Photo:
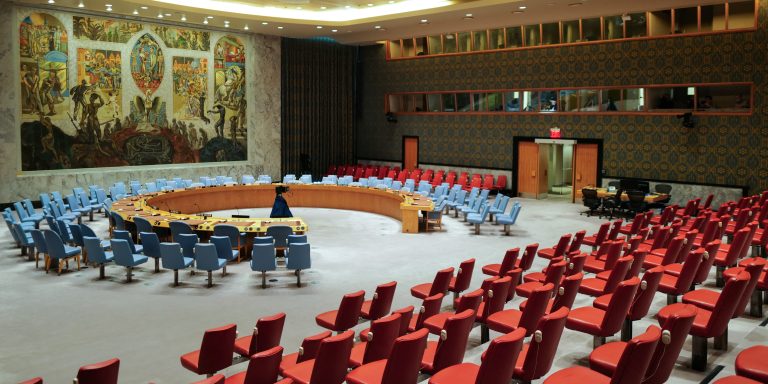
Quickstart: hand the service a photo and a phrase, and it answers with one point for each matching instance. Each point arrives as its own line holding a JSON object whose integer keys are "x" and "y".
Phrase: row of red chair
{"x": 104, "y": 372}
{"x": 435, "y": 178}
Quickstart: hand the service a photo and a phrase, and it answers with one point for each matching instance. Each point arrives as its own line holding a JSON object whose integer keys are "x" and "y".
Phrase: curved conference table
{"x": 187, "y": 205}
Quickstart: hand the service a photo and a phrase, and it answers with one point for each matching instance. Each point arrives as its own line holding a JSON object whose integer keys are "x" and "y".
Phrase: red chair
{"x": 537, "y": 356}
{"x": 576, "y": 242}
{"x": 515, "y": 275}
{"x": 666, "y": 216}
{"x": 605, "y": 258}
{"x": 215, "y": 351}
{"x": 575, "y": 265}
{"x": 381, "y": 303}
{"x": 526, "y": 260}
{"x": 705, "y": 298}
{"x": 266, "y": 335}
{"x": 510, "y": 319}
{"x": 308, "y": 351}
{"x": 507, "y": 263}
{"x": 690, "y": 208}
{"x": 471, "y": 300}
{"x": 735, "y": 379}
{"x": 565, "y": 295}
{"x": 750, "y": 363}
{"x": 429, "y": 307}
{"x": 711, "y": 323}
{"x": 597, "y": 238}
{"x": 598, "y": 287}
{"x": 104, "y": 372}
{"x": 488, "y": 182}
{"x": 760, "y": 240}
{"x": 635, "y": 358}
{"x": 475, "y": 183}
{"x": 501, "y": 183}
{"x": 346, "y": 316}
{"x": 330, "y": 365}
{"x": 558, "y": 250}
{"x": 711, "y": 229}
{"x": 656, "y": 239}
{"x": 494, "y": 298}
{"x": 358, "y": 173}
{"x": 35, "y": 380}
{"x": 729, "y": 253}
{"x": 674, "y": 331}
{"x": 638, "y": 257}
{"x": 378, "y": 341}
{"x": 439, "y": 284}
{"x": 604, "y": 323}
{"x": 402, "y": 366}
{"x": 406, "y": 315}
{"x": 741, "y": 220}
{"x": 497, "y": 367}
{"x": 706, "y": 264}
{"x": 637, "y": 223}
{"x": 450, "y": 179}
{"x": 707, "y": 203}
{"x": 217, "y": 379}
{"x": 676, "y": 285}
{"x": 449, "y": 350}
{"x": 641, "y": 303}
{"x": 463, "y": 278}
{"x": 554, "y": 274}
{"x": 383, "y": 172}
{"x": 263, "y": 368}
{"x": 665, "y": 256}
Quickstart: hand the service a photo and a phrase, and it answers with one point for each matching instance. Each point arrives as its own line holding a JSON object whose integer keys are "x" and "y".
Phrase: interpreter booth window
{"x": 408, "y": 103}
{"x": 465, "y": 42}
{"x": 571, "y": 32}
{"x": 532, "y": 35}
{"x": 449, "y": 102}
{"x": 512, "y": 101}
{"x": 463, "y": 102}
{"x": 613, "y": 27}
{"x": 637, "y": 25}
{"x": 588, "y": 100}
{"x": 421, "y": 46}
{"x": 661, "y": 22}
{"x": 741, "y": 14}
{"x": 419, "y": 102}
{"x": 723, "y": 98}
{"x": 496, "y": 40}
{"x": 409, "y": 48}
{"x": 530, "y": 101}
{"x": 395, "y": 50}
{"x": 435, "y": 45}
{"x": 590, "y": 29}
{"x": 548, "y": 101}
{"x": 686, "y": 20}
{"x": 395, "y": 103}
{"x": 481, "y": 40}
{"x": 514, "y": 37}
{"x": 550, "y": 33}
{"x": 449, "y": 43}
{"x": 670, "y": 98}
{"x": 713, "y": 17}
{"x": 433, "y": 102}
{"x": 622, "y": 100}
{"x": 568, "y": 101}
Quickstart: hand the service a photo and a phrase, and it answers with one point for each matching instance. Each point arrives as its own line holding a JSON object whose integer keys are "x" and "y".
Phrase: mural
{"x": 99, "y": 72}
{"x": 89, "y": 28}
{"x": 229, "y": 99}
{"x": 43, "y": 51}
{"x": 95, "y": 121}
{"x": 184, "y": 38}
{"x": 147, "y": 63}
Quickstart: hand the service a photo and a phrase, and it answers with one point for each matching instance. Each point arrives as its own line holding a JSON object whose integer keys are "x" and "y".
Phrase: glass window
{"x": 465, "y": 41}
{"x": 548, "y": 101}
{"x": 713, "y": 17}
{"x": 495, "y": 103}
{"x": 394, "y": 49}
{"x": 464, "y": 102}
{"x": 661, "y": 23}
{"x": 637, "y": 25}
{"x": 590, "y": 29}
{"x": 449, "y": 102}
{"x": 568, "y": 101}
{"x": 512, "y": 101}
{"x": 588, "y": 101}
{"x": 421, "y": 46}
{"x": 530, "y": 101}
{"x": 611, "y": 99}
{"x": 479, "y": 102}
{"x": 613, "y": 27}
{"x": 408, "y": 48}
{"x": 723, "y": 98}
{"x": 419, "y": 102}
{"x": 433, "y": 102}
{"x": 741, "y": 14}
{"x": 395, "y": 103}
{"x": 670, "y": 98}
{"x": 435, "y": 45}
{"x": 449, "y": 43}
{"x": 571, "y": 32}
{"x": 481, "y": 40}
{"x": 633, "y": 99}
{"x": 514, "y": 37}
{"x": 686, "y": 20}
{"x": 497, "y": 39}
{"x": 408, "y": 103}
{"x": 550, "y": 33}
{"x": 532, "y": 37}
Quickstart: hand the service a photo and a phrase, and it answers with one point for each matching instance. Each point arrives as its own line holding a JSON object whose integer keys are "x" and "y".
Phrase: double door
{"x": 556, "y": 168}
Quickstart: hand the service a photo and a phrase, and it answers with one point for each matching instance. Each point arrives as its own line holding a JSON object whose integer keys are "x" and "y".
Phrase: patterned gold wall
{"x": 720, "y": 150}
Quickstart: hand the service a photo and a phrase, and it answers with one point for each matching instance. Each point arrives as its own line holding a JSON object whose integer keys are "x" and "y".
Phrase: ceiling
{"x": 361, "y": 22}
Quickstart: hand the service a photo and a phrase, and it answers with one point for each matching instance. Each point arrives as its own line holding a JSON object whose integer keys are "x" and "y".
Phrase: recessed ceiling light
{"x": 246, "y": 27}
{"x": 168, "y": 14}
{"x": 319, "y": 27}
{"x": 423, "y": 21}
{"x": 391, "y": 1}
{"x": 378, "y": 27}
{"x": 109, "y": 7}
{"x": 522, "y": 7}
{"x": 298, "y": 7}
{"x": 81, "y": 4}
{"x": 209, "y": 17}
{"x": 183, "y": 17}
{"x": 334, "y": 30}
{"x": 264, "y": 23}
{"x": 144, "y": 7}
{"x": 348, "y": 7}
{"x": 323, "y": 7}
{"x": 517, "y": 12}
{"x": 159, "y": 15}
{"x": 51, "y": 1}
{"x": 468, "y": 16}
{"x": 205, "y": 21}
{"x": 370, "y": 5}
{"x": 280, "y": 27}
{"x": 135, "y": 11}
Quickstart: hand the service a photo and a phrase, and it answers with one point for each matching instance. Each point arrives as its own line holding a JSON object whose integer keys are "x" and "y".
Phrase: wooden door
{"x": 584, "y": 167}
{"x": 528, "y": 169}
{"x": 410, "y": 152}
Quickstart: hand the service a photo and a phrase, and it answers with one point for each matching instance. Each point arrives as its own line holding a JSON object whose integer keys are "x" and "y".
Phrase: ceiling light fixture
{"x": 51, "y": 1}
{"x": 280, "y": 27}
{"x": 135, "y": 11}
{"x": 205, "y": 21}
{"x": 246, "y": 27}
{"x": 81, "y": 4}
{"x": 168, "y": 14}
{"x": 377, "y": 27}
{"x": 522, "y": 7}
{"x": 334, "y": 30}
{"x": 423, "y": 21}
{"x": 109, "y": 7}
{"x": 323, "y": 7}
{"x": 468, "y": 16}
{"x": 319, "y": 27}
{"x": 264, "y": 23}
{"x": 144, "y": 7}
{"x": 183, "y": 17}
{"x": 159, "y": 15}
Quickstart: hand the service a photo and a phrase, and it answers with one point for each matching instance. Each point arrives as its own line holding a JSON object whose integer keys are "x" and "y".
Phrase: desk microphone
{"x": 198, "y": 208}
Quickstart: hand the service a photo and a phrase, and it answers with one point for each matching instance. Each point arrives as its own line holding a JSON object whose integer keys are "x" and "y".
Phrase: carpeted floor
{"x": 50, "y": 325}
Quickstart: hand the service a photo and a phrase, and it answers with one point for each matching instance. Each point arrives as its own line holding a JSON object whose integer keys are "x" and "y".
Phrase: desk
{"x": 163, "y": 207}
{"x": 649, "y": 198}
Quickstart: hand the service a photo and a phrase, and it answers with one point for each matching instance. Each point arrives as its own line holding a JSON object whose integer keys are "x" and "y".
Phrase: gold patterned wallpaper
{"x": 719, "y": 150}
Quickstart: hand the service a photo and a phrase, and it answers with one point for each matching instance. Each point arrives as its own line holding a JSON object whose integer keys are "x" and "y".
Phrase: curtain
{"x": 318, "y": 105}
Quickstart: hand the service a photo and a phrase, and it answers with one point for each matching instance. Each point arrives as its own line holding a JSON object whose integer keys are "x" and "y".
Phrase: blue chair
{"x": 179, "y": 227}
{"x": 58, "y": 198}
{"x": 188, "y": 242}
{"x": 151, "y": 243}
{"x": 64, "y": 231}
{"x": 247, "y": 179}
{"x": 45, "y": 199}
{"x": 125, "y": 235}
{"x": 297, "y": 239}
{"x": 501, "y": 207}
{"x": 86, "y": 231}
{"x": 265, "y": 179}
{"x": 97, "y": 254}
{"x": 94, "y": 197}
{"x": 237, "y": 239}
{"x": 125, "y": 257}
{"x": 264, "y": 240}
{"x": 26, "y": 240}
{"x": 151, "y": 187}
{"x": 305, "y": 179}
{"x": 280, "y": 233}
{"x": 263, "y": 259}
{"x": 107, "y": 205}
{"x": 57, "y": 211}
{"x": 289, "y": 178}
{"x": 477, "y": 204}
{"x": 39, "y": 239}
{"x": 479, "y": 218}
{"x": 435, "y": 216}
{"x": 172, "y": 257}
{"x": 31, "y": 210}
{"x": 58, "y": 251}
{"x": 77, "y": 239}
{"x": 23, "y": 215}
{"x": 116, "y": 221}
{"x": 298, "y": 259}
{"x": 86, "y": 203}
{"x": 142, "y": 225}
{"x": 207, "y": 259}
{"x": 74, "y": 206}
{"x": 224, "y": 249}
{"x": 509, "y": 219}
{"x": 457, "y": 202}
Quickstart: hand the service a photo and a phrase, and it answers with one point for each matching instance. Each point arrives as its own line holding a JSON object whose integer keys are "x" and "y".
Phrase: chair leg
{"x": 699, "y": 354}
{"x": 129, "y": 273}
{"x": 671, "y": 299}
{"x": 175, "y": 277}
{"x": 485, "y": 333}
{"x": 298, "y": 277}
{"x": 477, "y": 229}
{"x": 506, "y": 229}
{"x": 37, "y": 260}
{"x": 101, "y": 271}
{"x": 597, "y": 341}
{"x": 719, "y": 281}
{"x": 157, "y": 264}
{"x": 263, "y": 279}
{"x": 210, "y": 279}
{"x": 721, "y": 342}
{"x": 626, "y": 330}
{"x": 224, "y": 270}
{"x": 756, "y": 304}
{"x": 77, "y": 259}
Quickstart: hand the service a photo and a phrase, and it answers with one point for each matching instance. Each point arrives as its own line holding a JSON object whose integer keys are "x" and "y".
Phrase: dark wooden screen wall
{"x": 318, "y": 105}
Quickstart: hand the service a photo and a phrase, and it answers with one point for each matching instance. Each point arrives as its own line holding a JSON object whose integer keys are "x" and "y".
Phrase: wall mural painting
{"x": 82, "y": 124}
{"x": 180, "y": 38}
{"x": 89, "y": 28}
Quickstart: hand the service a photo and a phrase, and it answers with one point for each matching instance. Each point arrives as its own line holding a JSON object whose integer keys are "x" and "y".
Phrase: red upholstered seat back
{"x": 104, "y": 372}
{"x": 405, "y": 360}
{"x": 543, "y": 346}
{"x": 331, "y": 362}
{"x": 499, "y": 362}
{"x": 636, "y": 357}
{"x": 267, "y": 334}
{"x": 217, "y": 348}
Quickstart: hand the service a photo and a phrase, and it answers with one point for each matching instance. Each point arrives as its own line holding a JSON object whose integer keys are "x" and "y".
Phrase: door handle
{"x": 533, "y": 173}
{"x": 578, "y": 176}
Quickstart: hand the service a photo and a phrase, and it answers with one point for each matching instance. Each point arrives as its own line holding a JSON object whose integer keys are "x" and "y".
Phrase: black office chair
{"x": 663, "y": 189}
{"x": 591, "y": 201}
{"x": 612, "y": 205}
{"x": 636, "y": 203}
